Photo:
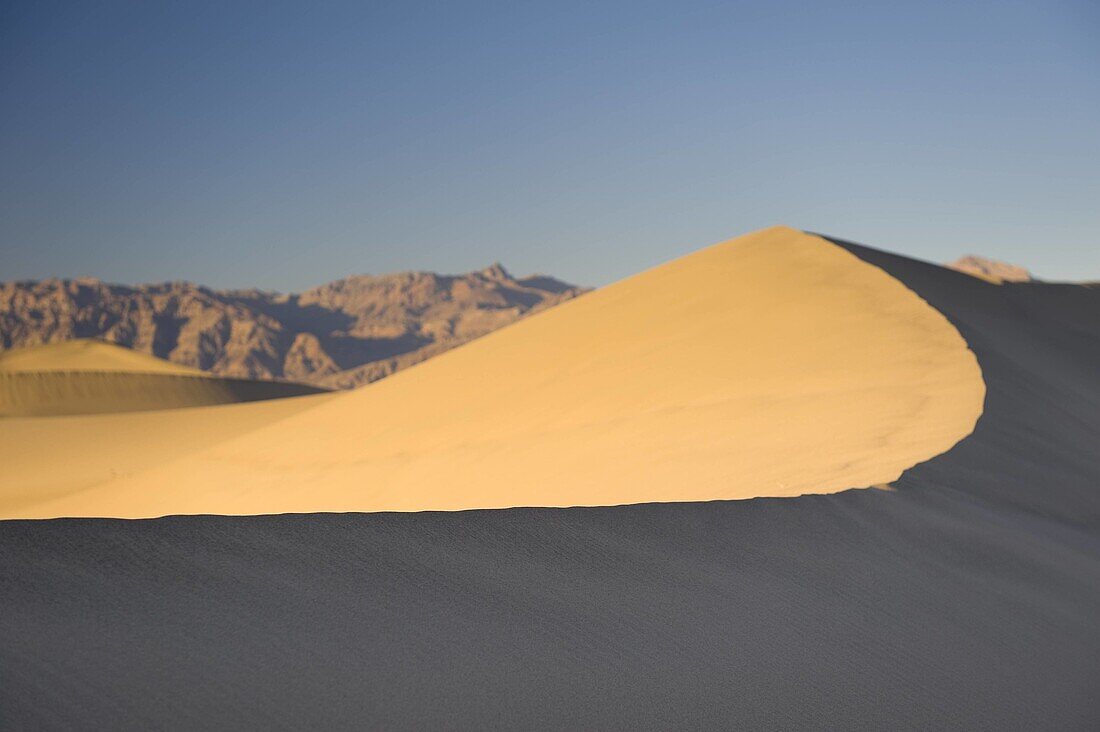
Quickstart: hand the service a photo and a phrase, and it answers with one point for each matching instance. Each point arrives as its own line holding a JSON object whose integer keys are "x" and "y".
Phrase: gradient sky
{"x": 282, "y": 145}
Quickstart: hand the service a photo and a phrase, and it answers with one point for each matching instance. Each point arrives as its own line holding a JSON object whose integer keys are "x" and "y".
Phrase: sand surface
{"x": 775, "y": 364}
{"x": 92, "y": 377}
{"x": 74, "y": 453}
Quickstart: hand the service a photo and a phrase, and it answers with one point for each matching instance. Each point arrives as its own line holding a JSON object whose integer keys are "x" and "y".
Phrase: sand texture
{"x": 77, "y": 452}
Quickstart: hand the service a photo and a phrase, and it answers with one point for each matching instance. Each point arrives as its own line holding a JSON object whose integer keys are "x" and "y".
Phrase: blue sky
{"x": 281, "y": 145}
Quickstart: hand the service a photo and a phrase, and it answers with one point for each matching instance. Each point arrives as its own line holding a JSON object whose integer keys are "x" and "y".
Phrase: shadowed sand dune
{"x": 775, "y": 364}
{"x": 92, "y": 377}
{"x": 966, "y": 598}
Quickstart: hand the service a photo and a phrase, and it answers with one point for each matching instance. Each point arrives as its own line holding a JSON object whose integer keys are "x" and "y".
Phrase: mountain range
{"x": 342, "y": 334}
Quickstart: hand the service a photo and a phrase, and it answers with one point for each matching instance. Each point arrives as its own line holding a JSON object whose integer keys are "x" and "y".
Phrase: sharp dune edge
{"x": 776, "y": 364}
{"x": 91, "y": 377}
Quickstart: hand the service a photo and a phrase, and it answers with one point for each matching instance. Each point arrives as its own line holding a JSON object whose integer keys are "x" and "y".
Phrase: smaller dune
{"x": 93, "y": 377}
{"x": 86, "y": 355}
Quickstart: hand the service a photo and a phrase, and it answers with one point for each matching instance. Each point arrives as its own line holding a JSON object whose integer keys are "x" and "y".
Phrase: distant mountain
{"x": 990, "y": 269}
{"x": 342, "y": 334}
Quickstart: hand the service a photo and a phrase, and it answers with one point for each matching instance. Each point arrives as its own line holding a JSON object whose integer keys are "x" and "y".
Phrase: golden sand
{"x": 775, "y": 364}
{"x": 52, "y": 457}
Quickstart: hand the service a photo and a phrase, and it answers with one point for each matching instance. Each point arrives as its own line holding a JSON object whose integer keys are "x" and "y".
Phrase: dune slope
{"x": 92, "y": 377}
{"x": 776, "y": 364}
{"x": 46, "y": 458}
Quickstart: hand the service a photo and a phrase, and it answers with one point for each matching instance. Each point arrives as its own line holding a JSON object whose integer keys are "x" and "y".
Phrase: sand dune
{"x": 967, "y": 597}
{"x": 86, "y": 355}
{"x": 92, "y": 377}
{"x": 776, "y": 364}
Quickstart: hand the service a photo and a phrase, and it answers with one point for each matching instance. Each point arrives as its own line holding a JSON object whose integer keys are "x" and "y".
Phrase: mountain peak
{"x": 992, "y": 270}
{"x": 495, "y": 271}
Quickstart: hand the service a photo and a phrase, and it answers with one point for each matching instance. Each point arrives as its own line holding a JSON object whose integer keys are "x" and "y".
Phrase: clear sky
{"x": 282, "y": 145}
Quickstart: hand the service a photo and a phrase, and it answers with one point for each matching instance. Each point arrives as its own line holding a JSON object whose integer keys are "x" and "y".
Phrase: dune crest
{"x": 775, "y": 364}
{"x": 85, "y": 354}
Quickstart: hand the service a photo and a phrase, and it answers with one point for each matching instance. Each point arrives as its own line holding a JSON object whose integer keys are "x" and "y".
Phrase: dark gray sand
{"x": 967, "y": 598}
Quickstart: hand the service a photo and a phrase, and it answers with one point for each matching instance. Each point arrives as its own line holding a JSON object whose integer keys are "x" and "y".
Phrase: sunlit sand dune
{"x": 92, "y": 377}
{"x": 776, "y": 364}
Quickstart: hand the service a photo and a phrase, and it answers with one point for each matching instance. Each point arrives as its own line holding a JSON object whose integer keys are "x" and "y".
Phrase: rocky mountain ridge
{"x": 342, "y": 334}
